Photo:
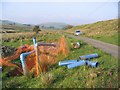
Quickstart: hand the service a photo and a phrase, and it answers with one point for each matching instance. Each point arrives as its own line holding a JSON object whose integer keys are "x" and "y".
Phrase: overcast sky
{"x": 74, "y": 13}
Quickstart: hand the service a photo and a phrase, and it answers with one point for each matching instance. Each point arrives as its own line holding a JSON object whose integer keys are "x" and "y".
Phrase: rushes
{"x": 47, "y": 79}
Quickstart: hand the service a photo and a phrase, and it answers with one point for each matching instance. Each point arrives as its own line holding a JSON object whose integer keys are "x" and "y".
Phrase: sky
{"x": 75, "y": 13}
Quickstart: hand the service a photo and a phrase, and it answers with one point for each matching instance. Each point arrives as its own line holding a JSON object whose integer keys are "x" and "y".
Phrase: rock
{"x": 76, "y": 45}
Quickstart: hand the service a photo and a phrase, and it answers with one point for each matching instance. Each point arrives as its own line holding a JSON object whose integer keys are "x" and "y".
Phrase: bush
{"x": 36, "y": 29}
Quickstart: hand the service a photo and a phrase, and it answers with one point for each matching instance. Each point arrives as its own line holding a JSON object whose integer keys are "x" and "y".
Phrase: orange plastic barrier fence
{"x": 47, "y": 56}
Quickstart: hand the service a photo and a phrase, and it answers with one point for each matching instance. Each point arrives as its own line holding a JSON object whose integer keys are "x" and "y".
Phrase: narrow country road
{"x": 106, "y": 47}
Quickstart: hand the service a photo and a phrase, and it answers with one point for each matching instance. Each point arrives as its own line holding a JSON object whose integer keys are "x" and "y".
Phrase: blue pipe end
{"x": 92, "y": 64}
{"x": 63, "y": 63}
{"x": 34, "y": 41}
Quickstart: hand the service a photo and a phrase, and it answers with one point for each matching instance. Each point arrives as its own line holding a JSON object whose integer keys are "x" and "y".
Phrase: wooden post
{"x": 37, "y": 62}
{"x": 37, "y": 56}
{"x": 37, "y": 59}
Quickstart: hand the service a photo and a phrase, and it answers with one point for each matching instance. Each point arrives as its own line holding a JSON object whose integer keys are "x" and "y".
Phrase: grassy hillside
{"x": 105, "y": 75}
{"x": 15, "y": 26}
{"x": 6, "y": 22}
{"x": 10, "y": 25}
{"x": 106, "y": 31}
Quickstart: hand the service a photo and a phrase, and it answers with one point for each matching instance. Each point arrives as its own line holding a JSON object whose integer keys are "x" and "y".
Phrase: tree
{"x": 36, "y": 29}
{"x": 68, "y": 27}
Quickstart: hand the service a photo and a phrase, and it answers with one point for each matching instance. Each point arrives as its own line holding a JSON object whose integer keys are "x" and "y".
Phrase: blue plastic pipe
{"x": 92, "y": 64}
{"x": 78, "y": 43}
{"x": 34, "y": 42}
{"x": 79, "y": 63}
{"x": 22, "y": 59}
{"x": 0, "y": 69}
{"x": 89, "y": 56}
{"x": 35, "y": 45}
{"x": 63, "y": 63}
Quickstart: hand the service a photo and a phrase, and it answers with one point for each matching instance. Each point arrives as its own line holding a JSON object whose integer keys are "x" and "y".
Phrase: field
{"x": 104, "y": 76}
{"x": 106, "y": 31}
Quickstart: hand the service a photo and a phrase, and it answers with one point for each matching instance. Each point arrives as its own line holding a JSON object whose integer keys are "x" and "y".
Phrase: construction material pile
{"x": 7, "y": 51}
{"x": 6, "y": 61}
{"x": 83, "y": 60}
{"x": 47, "y": 56}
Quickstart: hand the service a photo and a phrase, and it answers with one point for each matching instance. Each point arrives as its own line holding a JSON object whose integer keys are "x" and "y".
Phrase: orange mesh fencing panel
{"x": 47, "y": 56}
{"x": 63, "y": 46}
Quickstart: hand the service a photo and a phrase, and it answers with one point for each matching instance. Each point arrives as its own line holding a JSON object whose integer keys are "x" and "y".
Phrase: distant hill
{"x": 11, "y": 25}
{"x": 7, "y": 22}
{"x": 54, "y": 25}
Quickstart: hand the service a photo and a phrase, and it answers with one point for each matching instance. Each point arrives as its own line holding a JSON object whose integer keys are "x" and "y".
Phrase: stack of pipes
{"x": 83, "y": 60}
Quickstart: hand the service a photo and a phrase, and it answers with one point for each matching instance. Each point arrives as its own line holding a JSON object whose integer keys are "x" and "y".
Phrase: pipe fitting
{"x": 22, "y": 59}
{"x": 92, "y": 64}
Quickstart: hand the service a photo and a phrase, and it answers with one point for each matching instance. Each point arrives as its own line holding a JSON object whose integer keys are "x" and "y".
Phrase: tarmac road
{"x": 106, "y": 47}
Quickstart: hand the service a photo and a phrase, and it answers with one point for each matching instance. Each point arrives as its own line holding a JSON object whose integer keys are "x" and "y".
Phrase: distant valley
{"x": 15, "y": 26}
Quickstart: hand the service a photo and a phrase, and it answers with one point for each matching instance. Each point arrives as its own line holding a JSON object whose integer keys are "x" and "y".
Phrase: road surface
{"x": 106, "y": 47}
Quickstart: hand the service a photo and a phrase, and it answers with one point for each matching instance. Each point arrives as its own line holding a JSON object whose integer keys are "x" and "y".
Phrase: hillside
{"x": 54, "y": 25}
{"x": 103, "y": 76}
{"x": 6, "y": 22}
{"x": 11, "y": 25}
{"x": 106, "y": 31}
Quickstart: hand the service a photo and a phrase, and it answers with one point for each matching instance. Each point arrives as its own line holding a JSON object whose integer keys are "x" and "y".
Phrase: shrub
{"x": 36, "y": 29}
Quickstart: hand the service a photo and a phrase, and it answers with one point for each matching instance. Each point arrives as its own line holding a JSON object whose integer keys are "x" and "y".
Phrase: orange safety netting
{"x": 47, "y": 56}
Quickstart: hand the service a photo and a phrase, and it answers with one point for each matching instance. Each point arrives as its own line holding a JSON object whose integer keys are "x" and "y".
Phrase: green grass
{"x": 62, "y": 77}
{"x": 17, "y": 43}
{"x": 113, "y": 39}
